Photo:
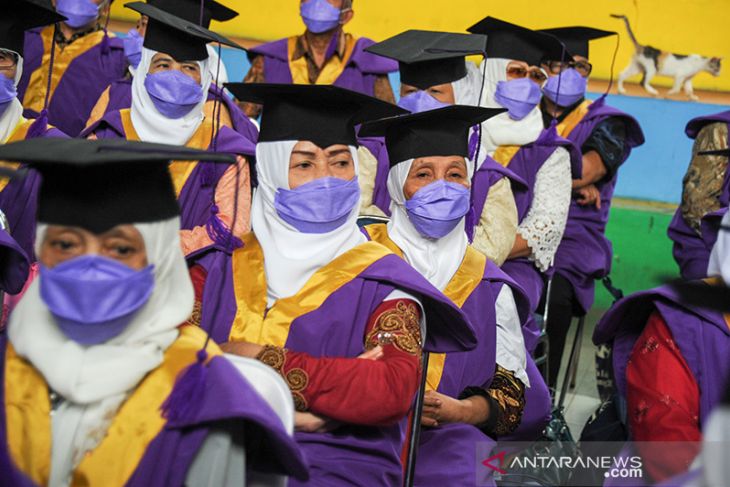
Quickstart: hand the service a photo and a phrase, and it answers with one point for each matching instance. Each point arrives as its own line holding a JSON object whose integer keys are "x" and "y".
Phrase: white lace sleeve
{"x": 544, "y": 224}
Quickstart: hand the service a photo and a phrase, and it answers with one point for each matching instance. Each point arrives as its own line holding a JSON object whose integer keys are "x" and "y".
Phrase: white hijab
{"x": 95, "y": 380}
{"x": 213, "y": 66}
{"x": 291, "y": 257}
{"x": 719, "y": 264}
{"x": 502, "y": 130}
{"x": 14, "y": 113}
{"x": 153, "y": 126}
{"x": 436, "y": 259}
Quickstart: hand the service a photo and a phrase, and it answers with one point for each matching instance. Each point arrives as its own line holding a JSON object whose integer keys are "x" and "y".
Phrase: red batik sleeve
{"x": 360, "y": 391}
{"x": 663, "y": 401}
{"x": 198, "y": 274}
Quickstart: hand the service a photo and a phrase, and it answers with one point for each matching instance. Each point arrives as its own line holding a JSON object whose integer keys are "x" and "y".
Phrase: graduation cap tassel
{"x": 415, "y": 430}
{"x": 105, "y": 41}
{"x": 613, "y": 65}
{"x": 474, "y": 154}
{"x": 190, "y": 384}
{"x": 40, "y": 126}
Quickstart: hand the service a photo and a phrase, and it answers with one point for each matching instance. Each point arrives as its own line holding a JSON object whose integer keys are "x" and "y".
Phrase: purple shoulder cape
{"x": 585, "y": 254}
{"x": 702, "y": 336}
{"x": 19, "y": 201}
{"x": 14, "y": 265}
{"x": 488, "y": 174}
{"x": 228, "y": 400}
{"x": 84, "y": 80}
{"x": 696, "y": 124}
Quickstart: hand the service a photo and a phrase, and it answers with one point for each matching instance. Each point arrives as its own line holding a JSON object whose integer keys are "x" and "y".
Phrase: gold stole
{"x": 504, "y": 154}
{"x": 463, "y": 283}
{"x": 21, "y": 130}
{"x": 180, "y": 171}
{"x": 36, "y": 93}
{"x": 135, "y": 425}
{"x": 565, "y": 127}
{"x": 254, "y": 324}
{"x": 332, "y": 69}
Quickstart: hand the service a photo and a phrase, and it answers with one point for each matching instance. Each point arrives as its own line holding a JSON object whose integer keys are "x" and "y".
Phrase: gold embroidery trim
{"x": 297, "y": 379}
{"x": 399, "y": 326}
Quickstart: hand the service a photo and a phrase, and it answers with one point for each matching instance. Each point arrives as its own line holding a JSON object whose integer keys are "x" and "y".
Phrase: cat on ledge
{"x": 654, "y": 62}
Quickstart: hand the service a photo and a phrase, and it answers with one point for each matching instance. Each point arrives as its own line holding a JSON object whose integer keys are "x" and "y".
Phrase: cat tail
{"x": 628, "y": 28}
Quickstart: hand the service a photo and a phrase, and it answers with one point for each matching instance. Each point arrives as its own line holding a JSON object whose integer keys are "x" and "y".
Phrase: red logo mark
{"x": 497, "y": 468}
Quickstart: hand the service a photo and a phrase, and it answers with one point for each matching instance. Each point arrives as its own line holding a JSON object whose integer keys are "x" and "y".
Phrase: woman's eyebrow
{"x": 337, "y": 152}
{"x": 303, "y": 153}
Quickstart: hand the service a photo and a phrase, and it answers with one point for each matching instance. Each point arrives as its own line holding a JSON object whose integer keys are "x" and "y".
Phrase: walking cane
{"x": 416, "y": 426}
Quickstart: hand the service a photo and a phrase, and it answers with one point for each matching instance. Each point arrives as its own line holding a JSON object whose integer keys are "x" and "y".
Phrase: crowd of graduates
{"x": 305, "y": 278}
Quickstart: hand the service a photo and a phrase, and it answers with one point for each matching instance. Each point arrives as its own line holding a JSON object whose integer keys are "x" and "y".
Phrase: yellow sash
{"x": 333, "y": 67}
{"x": 135, "y": 425}
{"x": 565, "y": 127}
{"x": 504, "y": 154}
{"x": 463, "y": 283}
{"x": 21, "y": 130}
{"x": 180, "y": 171}
{"x": 253, "y": 324}
{"x": 36, "y": 92}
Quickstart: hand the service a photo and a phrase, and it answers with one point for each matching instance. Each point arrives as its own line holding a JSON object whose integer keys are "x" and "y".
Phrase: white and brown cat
{"x": 652, "y": 62}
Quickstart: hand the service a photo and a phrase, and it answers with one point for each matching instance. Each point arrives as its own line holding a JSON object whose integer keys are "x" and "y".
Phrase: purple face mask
{"x": 420, "y": 101}
{"x": 173, "y": 93}
{"x": 519, "y": 96}
{"x": 8, "y": 92}
{"x": 319, "y": 16}
{"x": 133, "y": 47}
{"x": 77, "y": 12}
{"x": 572, "y": 88}
{"x": 93, "y": 298}
{"x": 436, "y": 209}
{"x": 319, "y": 206}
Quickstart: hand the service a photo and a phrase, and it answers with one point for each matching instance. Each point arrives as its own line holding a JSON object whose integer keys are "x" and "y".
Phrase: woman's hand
{"x": 311, "y": 423}
{"x": 242, "y": 349}
{"x": 441, "y": 409}
{"x": 589, "y": 195}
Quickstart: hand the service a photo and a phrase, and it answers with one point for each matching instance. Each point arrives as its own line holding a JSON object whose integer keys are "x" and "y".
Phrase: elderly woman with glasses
{"x": 605, "y": 137}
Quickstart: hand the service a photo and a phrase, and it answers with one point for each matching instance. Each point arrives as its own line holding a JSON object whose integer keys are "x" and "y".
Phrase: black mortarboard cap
{"x": 21, "y": 15}
{"x": 98, "y": 184}
{"x": 190, "y": 10}
{"x": 181, "y": 39}
{"x": 576, "y": 38}
{"x": 428, "y": 58}
{"x": 323, "y": 114}
{"x": 510, "y": 41}
{"x": 442, "y": 132}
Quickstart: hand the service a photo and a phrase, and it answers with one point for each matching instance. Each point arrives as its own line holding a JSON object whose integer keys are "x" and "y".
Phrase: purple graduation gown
{"x": 526, "y": 163}
{"x": 197, "y": 197}
{"x": 120, "y": 97}
{"x": 364, "y": 455}
{"x": 82, "y": 83}
{"x": 585, "y": 254}
{"x": 14, "y": 265}
{"x": 19, "y": 202}
{"x": 359, "y": 75}
{"x": 703, "y": 338}
{"x": 691, "y": 251}
{"x": 229, "y": 400}
{"x": 446, "y": 454}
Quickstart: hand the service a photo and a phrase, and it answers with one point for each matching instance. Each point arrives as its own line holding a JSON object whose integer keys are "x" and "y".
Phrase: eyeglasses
{"x": 534, "y": 73}
{"x": 583, "y": 67}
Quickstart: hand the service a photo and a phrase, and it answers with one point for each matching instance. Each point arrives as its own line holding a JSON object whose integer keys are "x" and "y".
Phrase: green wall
{"x": 642, "y": 252}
